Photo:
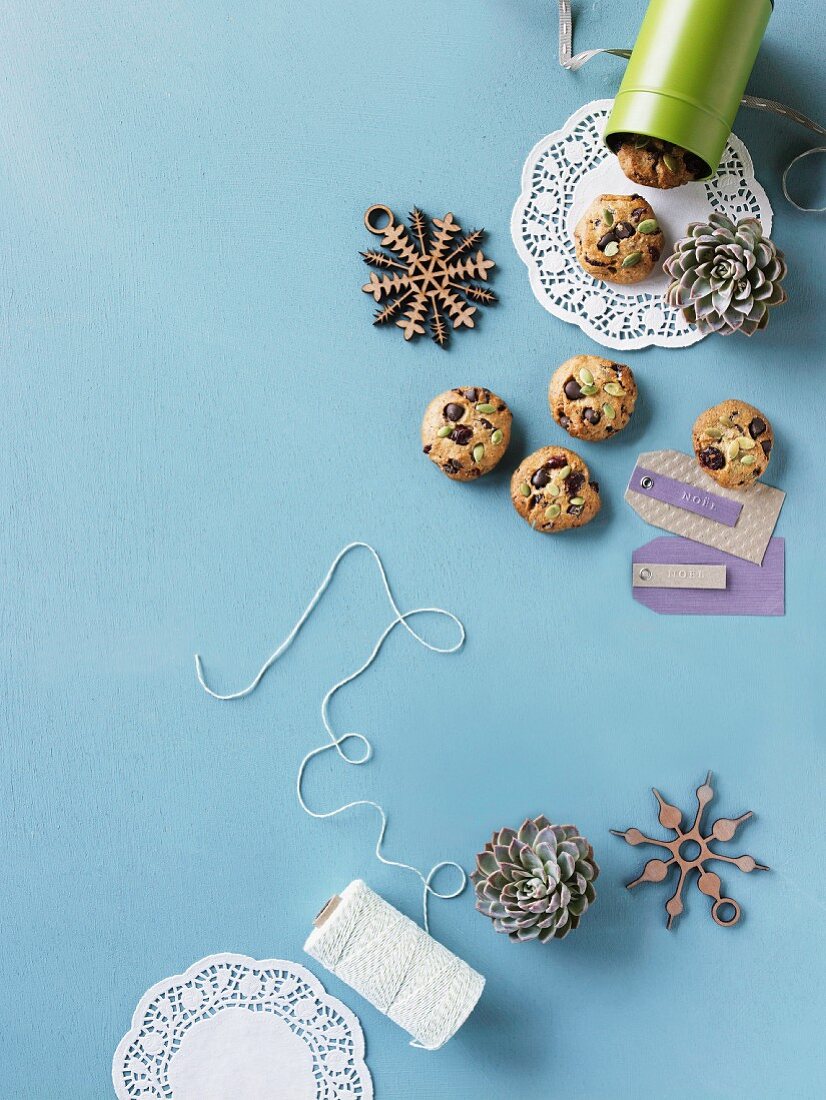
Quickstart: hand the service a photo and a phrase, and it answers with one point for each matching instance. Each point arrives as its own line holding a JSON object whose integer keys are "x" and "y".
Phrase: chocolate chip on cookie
{"x": 733, "y": 442}
{"x": 650, "y": 162}
{"x": 592, "y": 398}
{"x": 552, "y": 490}
{"x": 466, "y": 432}
{"x": 618, "y": 239}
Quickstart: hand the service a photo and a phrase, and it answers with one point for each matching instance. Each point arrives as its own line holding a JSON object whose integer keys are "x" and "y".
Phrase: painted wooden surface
{"x": 196, "y": 414}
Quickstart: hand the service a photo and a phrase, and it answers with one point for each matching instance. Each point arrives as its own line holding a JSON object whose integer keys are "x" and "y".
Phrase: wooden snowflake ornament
{"x": 431, "y": 274}
{"x": 690, "y": 850}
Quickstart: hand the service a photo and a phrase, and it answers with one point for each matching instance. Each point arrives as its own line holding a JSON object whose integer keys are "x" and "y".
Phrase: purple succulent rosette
{"x": 726, "y": 276}
{"x": 536, "y": 883}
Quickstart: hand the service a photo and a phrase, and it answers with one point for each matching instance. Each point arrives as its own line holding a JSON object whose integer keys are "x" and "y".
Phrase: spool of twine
{"x": 395, "y": 965}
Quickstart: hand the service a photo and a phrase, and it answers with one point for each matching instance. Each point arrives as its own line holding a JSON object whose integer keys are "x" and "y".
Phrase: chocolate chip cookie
{"x": 618, "y": 239}
{"x": 592, "y": 398}
{"x": 552, "y": 490}
{"x": 466, "y": 432}
{"x": 733, "y": 443}
{"x": 654, "y": 163}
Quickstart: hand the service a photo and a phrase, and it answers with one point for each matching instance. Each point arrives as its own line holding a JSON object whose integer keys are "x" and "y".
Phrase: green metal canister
{"x": 687, "y": 74}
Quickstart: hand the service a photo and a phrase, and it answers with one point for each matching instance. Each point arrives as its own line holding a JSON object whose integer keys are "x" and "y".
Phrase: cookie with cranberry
{"x": 618, "y": 239}
{"x": 733, "y": 442}
{"x": 466, "y": 432}
{"x": 592, "y": 398}
{"x": 654, "y": 163}
{"x": 552, "y": 490}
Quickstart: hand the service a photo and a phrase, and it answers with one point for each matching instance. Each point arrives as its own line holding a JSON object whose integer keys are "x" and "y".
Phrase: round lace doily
{"x": 562, "y": 175}
{"x": 232, "y": 1027}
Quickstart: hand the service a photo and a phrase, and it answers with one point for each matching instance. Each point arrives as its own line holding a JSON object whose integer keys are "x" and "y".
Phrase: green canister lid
{"x": 687, "y": 74}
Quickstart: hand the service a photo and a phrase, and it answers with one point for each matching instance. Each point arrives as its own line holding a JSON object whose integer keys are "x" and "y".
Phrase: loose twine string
{"x": 338, "y": 741}
{"x": 398, "y": 968}
{"x": 573, "y": 62}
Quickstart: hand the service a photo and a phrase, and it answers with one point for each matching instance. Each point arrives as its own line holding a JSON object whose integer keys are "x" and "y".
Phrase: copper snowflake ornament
{"x": 691, "y": 850}
{"x": 430, "y": 281}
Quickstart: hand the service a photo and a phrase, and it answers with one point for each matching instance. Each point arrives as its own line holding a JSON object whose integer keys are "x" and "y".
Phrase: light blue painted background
{"x": 196, "y": 414}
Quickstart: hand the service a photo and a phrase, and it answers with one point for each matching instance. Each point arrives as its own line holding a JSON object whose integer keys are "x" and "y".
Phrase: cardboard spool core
{"x": 327, "y": 911}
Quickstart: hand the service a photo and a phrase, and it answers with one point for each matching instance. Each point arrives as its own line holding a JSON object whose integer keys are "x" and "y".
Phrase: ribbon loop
{"x": 797, "y": 159}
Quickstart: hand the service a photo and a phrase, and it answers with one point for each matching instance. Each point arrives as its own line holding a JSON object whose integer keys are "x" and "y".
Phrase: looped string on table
{"x": 338, "y": 741}
{"x": 573, "y": 62}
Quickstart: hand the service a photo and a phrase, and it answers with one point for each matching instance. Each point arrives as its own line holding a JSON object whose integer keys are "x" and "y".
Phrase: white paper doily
{"x": 564, "y": 172}
{"x": 233, "y": 1028}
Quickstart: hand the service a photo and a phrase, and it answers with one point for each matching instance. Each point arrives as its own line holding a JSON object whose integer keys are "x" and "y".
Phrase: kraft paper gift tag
{"x": 669, "y": 490}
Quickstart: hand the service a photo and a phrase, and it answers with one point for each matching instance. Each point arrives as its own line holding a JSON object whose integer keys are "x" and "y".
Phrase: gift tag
{"x": 675, "y": 576}
{"x": 669, "y": 490}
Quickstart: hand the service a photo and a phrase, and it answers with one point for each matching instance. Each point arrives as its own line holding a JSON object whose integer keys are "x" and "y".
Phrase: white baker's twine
{"x": 398, "y": 968}
{"x": 337, "y": 741}
{"x": 574, "y": 62}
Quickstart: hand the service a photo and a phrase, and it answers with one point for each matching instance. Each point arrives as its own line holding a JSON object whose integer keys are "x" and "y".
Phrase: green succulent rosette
{"x": 536, "y": 883}
{"x": 726, "y": 277}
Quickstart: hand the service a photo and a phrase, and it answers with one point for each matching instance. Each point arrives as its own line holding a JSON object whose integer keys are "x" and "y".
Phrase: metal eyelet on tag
{"x": 647, "y": 482}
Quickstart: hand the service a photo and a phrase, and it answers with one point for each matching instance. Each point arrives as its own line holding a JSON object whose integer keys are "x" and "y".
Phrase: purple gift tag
{"x": 682, "y": 495}
{"x": 750, "y": 589}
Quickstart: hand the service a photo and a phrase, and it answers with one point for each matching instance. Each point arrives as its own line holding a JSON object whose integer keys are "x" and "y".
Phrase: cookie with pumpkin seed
{"x": 466, "y": 432}
{"x": 618, "y": 239}
{"x": 650, "y": 162}
{"x": 592, "y": 398}
{"x": 733, "y": 443}
{"x": 552, "y": 490}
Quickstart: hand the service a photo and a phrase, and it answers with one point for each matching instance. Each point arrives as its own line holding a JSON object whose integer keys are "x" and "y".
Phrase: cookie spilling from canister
{"x": 650, "y": 162}
{"x": 618, "y": 239}
{"x": 733, "y": 442}
{"x": 466, "y": 432}
{"x": 552, "y": 490}
{"x": 592, "y": 398}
